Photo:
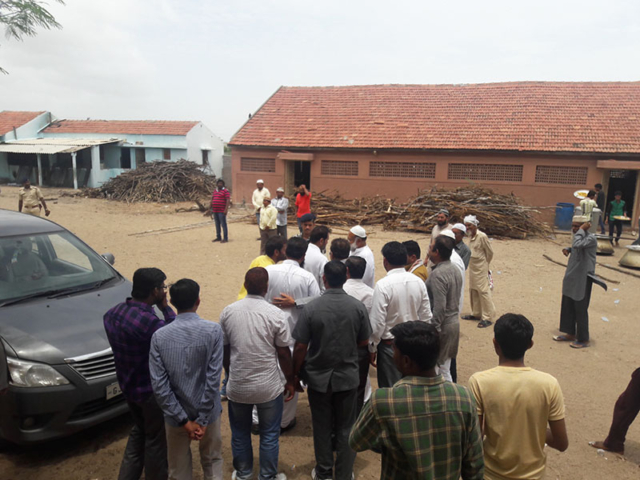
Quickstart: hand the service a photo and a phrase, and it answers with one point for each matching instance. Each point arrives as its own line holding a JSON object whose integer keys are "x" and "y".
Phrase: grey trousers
{"x": 264, "y": 236}
{"x": 282, "y": 231}
{"x": 333, "y": 412}
{"x": 388, "y": 374}
{"x": 574, "y": 316}
{"x": 179, "y": 453}
{"x": 147, "y": 446}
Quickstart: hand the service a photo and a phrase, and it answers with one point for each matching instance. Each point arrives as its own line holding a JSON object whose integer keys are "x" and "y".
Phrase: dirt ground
{"x": 525, "y": 282}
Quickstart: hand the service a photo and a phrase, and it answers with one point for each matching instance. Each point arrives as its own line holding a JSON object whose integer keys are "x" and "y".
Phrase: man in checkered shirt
{"x": 424, "y": 426}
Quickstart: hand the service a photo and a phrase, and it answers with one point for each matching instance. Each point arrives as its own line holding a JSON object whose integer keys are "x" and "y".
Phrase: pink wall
{"x": 532, "y": 193}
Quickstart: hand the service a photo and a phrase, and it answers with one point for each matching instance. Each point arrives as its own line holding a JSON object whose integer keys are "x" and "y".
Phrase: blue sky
{"x": 218, "y": 61}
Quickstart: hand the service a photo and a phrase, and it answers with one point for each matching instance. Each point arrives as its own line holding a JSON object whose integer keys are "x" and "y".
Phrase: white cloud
{"x": 216, "y": 61}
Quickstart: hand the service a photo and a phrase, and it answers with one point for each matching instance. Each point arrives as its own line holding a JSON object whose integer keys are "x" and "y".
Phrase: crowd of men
{"x": 310, "y": 318}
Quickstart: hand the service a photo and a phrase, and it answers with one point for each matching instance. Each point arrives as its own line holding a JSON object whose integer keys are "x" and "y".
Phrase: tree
{"x": 22, "y": 17}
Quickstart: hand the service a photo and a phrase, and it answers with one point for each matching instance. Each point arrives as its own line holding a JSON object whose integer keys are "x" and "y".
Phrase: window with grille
{"x": 402, "y": 169}
{"x": 258, "y": 165}
{"x": 480, "y": 171}
{"x": 339, "y": 167}
{"x": 561, "y": 175}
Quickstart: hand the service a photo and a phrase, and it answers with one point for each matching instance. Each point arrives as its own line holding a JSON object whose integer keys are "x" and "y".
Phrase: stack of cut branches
{"x": 500, "y": 215}
{"x": 167, "y": 182}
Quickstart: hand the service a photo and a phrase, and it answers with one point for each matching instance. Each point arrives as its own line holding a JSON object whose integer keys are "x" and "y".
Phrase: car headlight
{"x": 31, "y": 374}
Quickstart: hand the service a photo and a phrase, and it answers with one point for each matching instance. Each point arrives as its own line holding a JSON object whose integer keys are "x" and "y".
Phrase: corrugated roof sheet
{"x": 525, "y": 116}
{"x": 9, "y": 120}
{"x": 132, "y": 127}
{"x": 52, "y": 145}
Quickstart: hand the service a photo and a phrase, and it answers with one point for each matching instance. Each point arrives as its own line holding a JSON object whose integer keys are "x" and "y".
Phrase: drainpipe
{"x": 39, "y": 170}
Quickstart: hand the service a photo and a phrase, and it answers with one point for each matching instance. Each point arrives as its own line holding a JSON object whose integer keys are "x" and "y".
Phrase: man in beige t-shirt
{"x": 29, "y": 199}
{"x": 515, "y": 404}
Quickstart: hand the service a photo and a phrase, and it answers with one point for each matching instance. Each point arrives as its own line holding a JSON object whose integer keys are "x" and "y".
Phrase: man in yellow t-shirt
{"x": 29, "y": 199}
{"x": 274, "y": 252}
{"x": 515, "y": 404}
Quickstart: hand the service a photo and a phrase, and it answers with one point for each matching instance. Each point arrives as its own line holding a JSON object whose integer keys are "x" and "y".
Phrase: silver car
{"x": 54, "y": 291}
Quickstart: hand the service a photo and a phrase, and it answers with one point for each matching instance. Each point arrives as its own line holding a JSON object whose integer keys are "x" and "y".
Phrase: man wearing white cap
{"x": 358, "y": 241}
{"x": 281, "y": 204}
{"x": 482, "y": 307}
{"x": 577, "y": 283}
{"x": 258, "y": 199}
{"x": 459, "y": 230}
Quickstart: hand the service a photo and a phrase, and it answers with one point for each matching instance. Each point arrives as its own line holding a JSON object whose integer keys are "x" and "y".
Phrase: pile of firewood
{"x": 166, "y": 182}
{"x": 499, "y": 215}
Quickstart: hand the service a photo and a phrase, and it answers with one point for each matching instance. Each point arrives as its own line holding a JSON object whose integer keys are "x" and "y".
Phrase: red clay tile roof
{"x": 131, "y": 127}
{"x": 8, "y": 120}
{"x": 526, "y": 116}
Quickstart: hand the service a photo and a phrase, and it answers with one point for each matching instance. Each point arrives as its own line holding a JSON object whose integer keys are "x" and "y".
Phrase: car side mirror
{"x": 109, "y": 258}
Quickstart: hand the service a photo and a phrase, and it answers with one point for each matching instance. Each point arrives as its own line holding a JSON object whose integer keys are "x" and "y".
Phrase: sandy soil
{"x": 525, "y": 282}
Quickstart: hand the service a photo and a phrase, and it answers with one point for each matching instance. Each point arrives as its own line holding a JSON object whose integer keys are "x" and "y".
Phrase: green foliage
{"x": 22, "y": 18}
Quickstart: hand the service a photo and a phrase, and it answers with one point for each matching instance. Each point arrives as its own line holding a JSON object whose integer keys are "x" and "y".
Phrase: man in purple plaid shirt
{"x": 130, "y": 326}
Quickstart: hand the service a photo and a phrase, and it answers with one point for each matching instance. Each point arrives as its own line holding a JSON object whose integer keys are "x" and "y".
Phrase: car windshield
{"x": 48, "y": 264}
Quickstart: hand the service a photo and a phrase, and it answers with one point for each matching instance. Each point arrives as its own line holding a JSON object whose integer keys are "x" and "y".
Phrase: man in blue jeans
{"x": 219, "y": 208}
{"x": 256, "y": 342}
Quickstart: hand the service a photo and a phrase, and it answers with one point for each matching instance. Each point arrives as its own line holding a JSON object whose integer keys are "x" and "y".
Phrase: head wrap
{"x": 580, "y": 219}
{"x": 358, "y": 231}
{"x": 461, "y": 227}
{"x": 471, "y": 219}
{"x": 445, "y": 211}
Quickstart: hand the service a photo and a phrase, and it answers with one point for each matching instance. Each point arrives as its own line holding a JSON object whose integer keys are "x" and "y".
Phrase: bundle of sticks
{"x": 167, "y": 182}
{"x": 499, "y": 215}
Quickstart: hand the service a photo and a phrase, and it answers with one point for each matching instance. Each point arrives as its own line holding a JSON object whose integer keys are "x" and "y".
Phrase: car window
{"x": 68, "y": 252}
{"x": 46, "y": 264}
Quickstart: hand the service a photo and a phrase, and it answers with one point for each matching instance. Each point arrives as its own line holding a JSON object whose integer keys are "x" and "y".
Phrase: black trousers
{"x": 574, "y": 316}
{"x": 617, "y": 224}
{"x": 363, "y": 366}
{"x": 624, "y": 413}
{"x": 147, "y": 446}
{"x": 388, "y": 374}
{"x": 333, "y": 412}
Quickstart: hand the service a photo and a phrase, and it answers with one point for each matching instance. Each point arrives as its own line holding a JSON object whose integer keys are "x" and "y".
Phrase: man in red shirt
{"x": 303, "y": 204}
{"x": 220, "y": 206}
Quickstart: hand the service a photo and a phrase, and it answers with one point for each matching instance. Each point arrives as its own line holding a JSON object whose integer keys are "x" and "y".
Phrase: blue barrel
{"x": 564, "y": 215}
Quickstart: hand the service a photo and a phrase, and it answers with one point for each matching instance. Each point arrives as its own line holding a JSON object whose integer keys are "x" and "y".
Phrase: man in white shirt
{"x": 258, "y": 197}
{"x": 340, "y": 249}
{"x": 291, "y": 279}
{"x": 399, "y": 297}
{"x": 315, "y": 260}
{"x": 256, "y": 343}
{"x": 442, "y": 224}
{"x": 359, "y": 290}
{"x": 358, "y": 240}
{"x": 281, "y": 204}
{"x": 267, "y": 223}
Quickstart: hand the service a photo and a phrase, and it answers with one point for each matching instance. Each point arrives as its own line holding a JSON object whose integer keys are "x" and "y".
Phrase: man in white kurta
{"x": 399, "y": 297}
{"x": 315, "y": 260}
{"x": 358, "y": 241}
{"x": 258, "y": 198}
{"x": 482, "y": 307}
{"x": 291, "y": 279}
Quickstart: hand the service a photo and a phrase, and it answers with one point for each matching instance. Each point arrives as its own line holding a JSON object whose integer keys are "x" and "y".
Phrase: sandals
{"x": 579, "y": 344}
{"x": 484, "y": 324}
{"x": 469, "y": 317}
{"x": 563, "y": 338}
{"x": 601, "y": 446}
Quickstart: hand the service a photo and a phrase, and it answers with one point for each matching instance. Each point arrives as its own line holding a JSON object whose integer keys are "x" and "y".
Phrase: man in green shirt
{"x": 617, "y": 208}
{"x": 424, "y": 427}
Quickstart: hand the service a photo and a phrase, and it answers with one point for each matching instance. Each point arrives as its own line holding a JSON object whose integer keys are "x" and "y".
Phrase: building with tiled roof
{"x": 76, "y": 153}
{"x": 540, "y": 140}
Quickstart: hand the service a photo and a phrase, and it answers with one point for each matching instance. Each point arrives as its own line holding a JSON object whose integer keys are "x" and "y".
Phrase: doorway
{"x": 624, "y": 181}
{"x": 296, "y": 173}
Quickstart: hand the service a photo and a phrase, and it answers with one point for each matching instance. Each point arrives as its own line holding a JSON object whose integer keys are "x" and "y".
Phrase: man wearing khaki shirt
{"x": 29, "y": 199}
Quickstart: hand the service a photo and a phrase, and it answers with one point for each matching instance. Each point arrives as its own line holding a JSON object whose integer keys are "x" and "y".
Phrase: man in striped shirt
{"x": 185, "y": 362}
{"x": 219, "y": 208}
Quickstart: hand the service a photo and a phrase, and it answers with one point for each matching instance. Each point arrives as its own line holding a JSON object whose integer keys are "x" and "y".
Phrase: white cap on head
{"x": 448, "y": 233}
{"x": 260, "y": 181}
{"x": 580, "y": 219}
{"x": 461, "y": 227}
{"x": 471, "y": 219}
{"x": 358, "y": 231}
{"x": 280, "y": 189}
